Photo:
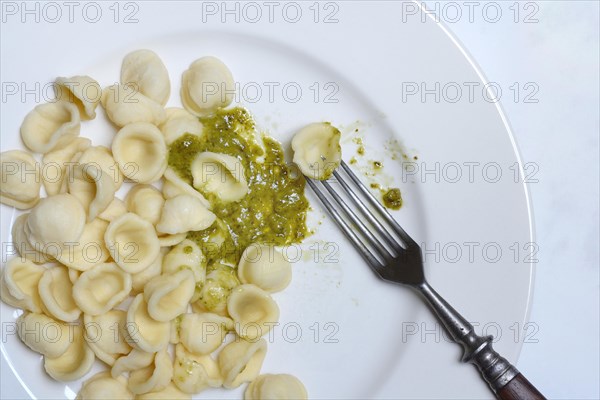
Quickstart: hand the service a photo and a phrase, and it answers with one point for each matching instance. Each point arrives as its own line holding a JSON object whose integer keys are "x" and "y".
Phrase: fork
{"x": 401, "y": 262}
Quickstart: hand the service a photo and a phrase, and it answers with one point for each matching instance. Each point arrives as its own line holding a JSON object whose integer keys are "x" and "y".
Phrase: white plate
{"x": 343, "y": 332}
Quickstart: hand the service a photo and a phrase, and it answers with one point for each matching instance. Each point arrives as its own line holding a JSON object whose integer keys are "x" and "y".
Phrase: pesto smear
{"x": 274, "y": 209}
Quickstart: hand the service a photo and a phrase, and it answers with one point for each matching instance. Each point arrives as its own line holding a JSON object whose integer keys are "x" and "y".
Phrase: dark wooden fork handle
{"x": 519, "y": 388}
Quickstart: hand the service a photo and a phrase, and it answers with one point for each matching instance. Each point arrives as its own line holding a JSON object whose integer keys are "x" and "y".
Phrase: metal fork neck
{"x": 496, "y": 370}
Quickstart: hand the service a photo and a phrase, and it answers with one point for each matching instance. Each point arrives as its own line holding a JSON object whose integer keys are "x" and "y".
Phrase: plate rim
{"x": 498, "y": 104}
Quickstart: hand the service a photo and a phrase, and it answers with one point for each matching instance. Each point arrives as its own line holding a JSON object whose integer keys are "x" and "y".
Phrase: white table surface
{"x": 559, "y": 55}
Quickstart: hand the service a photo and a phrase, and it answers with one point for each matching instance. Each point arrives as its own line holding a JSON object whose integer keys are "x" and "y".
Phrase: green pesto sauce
{"x": 274, "y": 209}
{"x": 393, "y": 199}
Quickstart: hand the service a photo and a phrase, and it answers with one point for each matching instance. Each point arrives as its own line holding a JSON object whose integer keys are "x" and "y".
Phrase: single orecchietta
{"x": 206, "y": 86}
{"x": 317, "y": 150}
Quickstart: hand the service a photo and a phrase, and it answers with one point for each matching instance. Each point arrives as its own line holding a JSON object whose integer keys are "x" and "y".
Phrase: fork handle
{"x": 519, "y": 388}
{"x": 503, "y": 378}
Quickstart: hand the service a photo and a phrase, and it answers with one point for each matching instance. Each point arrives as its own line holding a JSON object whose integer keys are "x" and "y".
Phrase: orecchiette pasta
{"x": 55, "y": 164}
{"x": 104, "y": 335}
{"x": 193, "y": 373}
{"x": 124, "y": 104}
{"x": 89, "y": 250}
{"x": 240, "y": 361}
{"x": 167, "y": 240}
{"x": 146, "y": 72}
{"x": 146, "y": 333}
{"x": 317, "y": 150}
{"x": 54, "y": 221}
{"x": 5, "y": 295}
{"x": 20, "y": 279}
{"x": 141, "y": 152}
{"x": 73, "y": 363}
{"x": 178, "y": 123}
{"x": 154, "y": 377}
{"x": 276, "y": 386}
{"x": 203, "y": 333}
{"x": 206, "y": 86}
{"x": 73, "y": 274}
{"x": 82, "y": 91}
{"x": 50, "y": 126}
{"x": 102, "y": 158}
{"x": 139, "y": 280}
{"x": 56, "y": 291}
{"x": 21, "y": 179}
{"x": 169, "y": 190}
{"x": 106, "y": 254}
{"x": 265, "y": 267}
{"x": 115, "y": 209}
{"x": 132, "y": 242}
{"x": 104, "y": 386}
{"x": 216, "y": 290}
{"x": 93, "y": 187}
{"x": 253, "y": 311}
{"x": 168, "y": 295}
{"x": 171, "y": 392}
{"x": 136, "y": 359}
{"x": 184, "y": 213}
{"x": 174, "y": 186}
{"x": 186, "y": 254}
{"x": 22, "y": 245}
{"x": 43, "y": 334}
{"x": 220, "y": 175}
{"x": 101, "y": 288}
{"x": 175, "y": 328}
{"x": 145, "y": 201}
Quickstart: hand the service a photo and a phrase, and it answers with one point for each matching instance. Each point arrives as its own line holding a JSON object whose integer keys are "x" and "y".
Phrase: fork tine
{"x": 362, "y": 228}
{"x": 377, "y": 205}
{"x": 364, "y": 251}
{"x": 366, "y": 212}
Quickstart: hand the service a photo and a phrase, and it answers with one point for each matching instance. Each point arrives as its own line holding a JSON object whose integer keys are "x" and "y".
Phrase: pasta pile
{"x": 114, "y": 278}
